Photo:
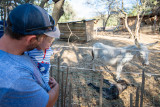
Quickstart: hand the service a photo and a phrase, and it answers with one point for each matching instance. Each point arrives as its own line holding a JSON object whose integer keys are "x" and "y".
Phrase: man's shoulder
{"x": 24, "y": 91}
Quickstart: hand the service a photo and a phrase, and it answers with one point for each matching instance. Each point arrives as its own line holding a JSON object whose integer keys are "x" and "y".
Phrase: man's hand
{"x": 53, "y": 93}
{"x": 52, "y": 82}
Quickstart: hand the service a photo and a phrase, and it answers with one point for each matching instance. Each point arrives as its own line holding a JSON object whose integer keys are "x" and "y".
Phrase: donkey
{"x": 109, "y": 55}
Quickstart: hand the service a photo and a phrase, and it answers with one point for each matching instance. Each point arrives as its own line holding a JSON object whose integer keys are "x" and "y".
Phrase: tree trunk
{"x": 126, "y": 22}
{"x": 43, "y": 2}
{"x": 154, "y": 26}
{"x": 137, "y": 27}
{"x": 58, "y": 10}
{"x": 105, "y": 23}
{"x": 32, "y": 1}
{"x": 127, "y": 27}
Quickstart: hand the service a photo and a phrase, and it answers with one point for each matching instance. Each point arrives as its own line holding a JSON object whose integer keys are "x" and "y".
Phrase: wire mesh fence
{"x": 74, "y": 77}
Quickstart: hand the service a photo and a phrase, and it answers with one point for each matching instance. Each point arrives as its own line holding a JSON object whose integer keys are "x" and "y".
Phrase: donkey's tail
{"x": 92, "y": 55}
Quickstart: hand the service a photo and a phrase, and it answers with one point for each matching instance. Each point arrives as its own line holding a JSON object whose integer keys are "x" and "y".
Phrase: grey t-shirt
{"x": 20, "y": 82}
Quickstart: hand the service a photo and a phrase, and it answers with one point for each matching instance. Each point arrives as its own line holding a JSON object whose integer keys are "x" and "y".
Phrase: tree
{"x": 141, "y": 8}
{"x": 58, "y": 10}
{"x": 7, "y": 5}
{"x": 140, "y": 12}
{"x": 154, "y": 7}
{"x": 107, "y": 9}
{"x": 69, "y": 13}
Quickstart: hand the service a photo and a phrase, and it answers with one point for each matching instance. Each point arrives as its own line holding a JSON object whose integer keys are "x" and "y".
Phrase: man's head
{"x": 30, "y": 22}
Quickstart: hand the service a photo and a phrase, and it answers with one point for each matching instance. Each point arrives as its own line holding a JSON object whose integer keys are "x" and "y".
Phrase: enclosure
{"x": 77, "y": 57}
{"x": 150, "y": 23}
{"x": 77, "y": 30}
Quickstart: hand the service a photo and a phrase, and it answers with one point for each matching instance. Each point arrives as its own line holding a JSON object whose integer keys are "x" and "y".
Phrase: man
{"x": 21, "y": 84}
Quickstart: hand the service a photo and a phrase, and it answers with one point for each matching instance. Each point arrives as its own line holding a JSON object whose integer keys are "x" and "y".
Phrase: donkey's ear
{"x": 137, "y": 43}
{"x": 151, "y": 44}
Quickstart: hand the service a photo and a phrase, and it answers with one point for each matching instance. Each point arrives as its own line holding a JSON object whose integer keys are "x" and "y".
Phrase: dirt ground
{"x": 80, "y": 73}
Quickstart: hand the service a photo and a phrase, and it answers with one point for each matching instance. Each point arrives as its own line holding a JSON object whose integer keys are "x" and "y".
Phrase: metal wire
{"x": 148, "y": 74}
{"x": 118, "y": 48}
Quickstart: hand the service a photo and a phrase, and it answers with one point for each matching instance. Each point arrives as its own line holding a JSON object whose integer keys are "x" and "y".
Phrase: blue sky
{"x": 84, "y": 11}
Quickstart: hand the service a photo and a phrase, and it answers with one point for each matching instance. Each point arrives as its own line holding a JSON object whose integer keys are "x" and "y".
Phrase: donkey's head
{"x": 142, "y": 52}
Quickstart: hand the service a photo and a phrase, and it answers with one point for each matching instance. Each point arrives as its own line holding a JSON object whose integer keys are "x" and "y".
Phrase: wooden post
{"x": 66, "y": 87}
{"x": 142, "y": 88}
{"x": 62, "y": 89}
{"x": 58, "y": 76}
{"x": 58, "y": 73}
{"x": 100, "y": 96}
{"x": 137, "y": 97}
{"x": 70, "y": 92}
{"x": 96, "y": 31}
{"x": 51, "y": 72}
{"x": 131, "y": 100}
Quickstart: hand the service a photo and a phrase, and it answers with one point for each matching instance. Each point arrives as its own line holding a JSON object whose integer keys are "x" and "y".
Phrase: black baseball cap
{"x": 29, "y": 19}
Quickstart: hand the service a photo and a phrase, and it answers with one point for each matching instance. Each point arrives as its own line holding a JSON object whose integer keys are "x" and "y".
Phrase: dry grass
{"x": 84, "y": 96}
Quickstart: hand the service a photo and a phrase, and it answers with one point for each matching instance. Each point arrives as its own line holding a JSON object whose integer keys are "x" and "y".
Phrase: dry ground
{"x": 82, "y": 95}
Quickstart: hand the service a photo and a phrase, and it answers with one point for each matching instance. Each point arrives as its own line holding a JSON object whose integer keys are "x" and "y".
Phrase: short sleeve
{"x": 25, "y": 92}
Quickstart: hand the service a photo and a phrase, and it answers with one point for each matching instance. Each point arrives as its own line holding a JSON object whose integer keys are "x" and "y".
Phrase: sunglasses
{"x": 48, "y": 28}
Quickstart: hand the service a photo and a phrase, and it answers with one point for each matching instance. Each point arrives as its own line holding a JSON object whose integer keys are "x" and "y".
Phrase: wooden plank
{"x": 142, "y": 88}
{"x": 66, "y": 35}
{"x": 72, "y": 24}
{"x": 74, "y": 38}
{"x": 89, "y": 30}
{"x": 137, "y": 97}
{"x": 75, "y": 32}
{"x": 72, "y": 28}
{"x": 69, "y": 33}
{"x": 100, "y": 96}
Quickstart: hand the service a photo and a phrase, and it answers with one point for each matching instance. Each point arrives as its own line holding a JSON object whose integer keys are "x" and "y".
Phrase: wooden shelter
{"x": 77, "y": 30}
{"x": 147, "y": 25}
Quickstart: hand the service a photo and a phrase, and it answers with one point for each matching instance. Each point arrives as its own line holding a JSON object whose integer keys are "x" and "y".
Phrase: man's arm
{"x": 53, "y": 93}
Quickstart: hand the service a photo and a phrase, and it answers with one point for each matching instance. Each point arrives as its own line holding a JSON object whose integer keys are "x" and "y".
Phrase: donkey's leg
{"x": 119, "y": 70}
{"x": 93, "y": 65}
{"x": 109, "y": 71}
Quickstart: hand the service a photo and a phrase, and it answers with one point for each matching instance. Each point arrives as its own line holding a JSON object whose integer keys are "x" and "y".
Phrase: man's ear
{"x": 30, "y": 39}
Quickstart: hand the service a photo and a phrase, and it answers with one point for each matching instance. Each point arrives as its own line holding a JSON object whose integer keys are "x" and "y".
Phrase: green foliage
{"x": 151, "y": 4}
{"x": 113, "y": 21}
{"x": 133, "y": 11}
{"x": 69, "y": 14}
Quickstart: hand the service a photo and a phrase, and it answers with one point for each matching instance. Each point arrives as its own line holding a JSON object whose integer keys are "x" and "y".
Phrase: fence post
{"x": 100, "y": 96}
{"x": 58, "y": 76}
{"x": 142, "y": 88}
{"x": 62, "y": 89}
{"x": 51, "y": 72}
{"x": 131, "y": 100}
{"x": 65, "y": 91}
{"x": 70, "y": 92}
{"x": 137, "y": 97}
